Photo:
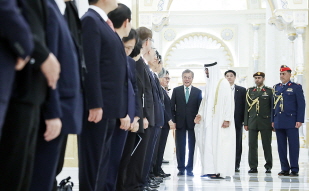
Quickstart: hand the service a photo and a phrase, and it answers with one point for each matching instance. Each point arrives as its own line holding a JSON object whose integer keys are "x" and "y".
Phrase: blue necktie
{"x": 187, "y": 94}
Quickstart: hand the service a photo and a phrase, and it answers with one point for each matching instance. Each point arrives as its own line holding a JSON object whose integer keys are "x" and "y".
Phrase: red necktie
{"x": 110, "y": 23}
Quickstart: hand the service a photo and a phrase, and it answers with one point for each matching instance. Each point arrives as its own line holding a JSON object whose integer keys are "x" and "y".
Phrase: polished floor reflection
{"x": 242, "y": 181}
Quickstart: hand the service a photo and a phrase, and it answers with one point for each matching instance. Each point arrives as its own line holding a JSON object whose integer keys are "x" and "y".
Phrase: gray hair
{"x": 188, "y": 71}
{"x": 162, "y": 73}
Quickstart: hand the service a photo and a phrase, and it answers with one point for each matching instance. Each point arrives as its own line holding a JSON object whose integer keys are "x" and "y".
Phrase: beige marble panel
{"x": 71, "y": 153}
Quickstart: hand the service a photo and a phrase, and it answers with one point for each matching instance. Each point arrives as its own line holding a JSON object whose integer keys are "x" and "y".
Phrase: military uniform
{"x": 258, "y": 119}
{"x": 289, "y": 108}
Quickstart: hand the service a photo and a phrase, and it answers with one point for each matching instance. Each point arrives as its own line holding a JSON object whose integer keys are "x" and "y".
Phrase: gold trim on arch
{"x": 169, "y": 50}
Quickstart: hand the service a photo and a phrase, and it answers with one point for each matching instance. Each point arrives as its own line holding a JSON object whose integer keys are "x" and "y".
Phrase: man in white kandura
{"x": 215, "y": 128}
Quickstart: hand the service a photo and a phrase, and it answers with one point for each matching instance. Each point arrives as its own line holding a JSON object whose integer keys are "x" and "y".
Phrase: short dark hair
{"x": 230, "y": 71}
{"x": 289, "y": 71}
{"x": 91, "y": 2}
{"x": 158, "y": 57}
{"x": 132, "y": 35}
{"x": 187, "y": 71}
{"x": 137, "y": 49}
{"x": 167, "y": 72}
{"x": 144, "y": 33}
{"x": 120, "y": 15}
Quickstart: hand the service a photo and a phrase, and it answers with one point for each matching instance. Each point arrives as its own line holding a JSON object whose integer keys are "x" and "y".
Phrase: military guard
{"x": 258, "y": 119}
{"x": 288, "y": 116}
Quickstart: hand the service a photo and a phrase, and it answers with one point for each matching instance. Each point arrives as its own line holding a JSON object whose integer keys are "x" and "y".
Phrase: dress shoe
{"x": 165, "y": 161}
{"x": 153, "y": 185}
{"x": 268, "y": 170}
{"x": 294, "y": 174}
{"x": 147, "y": 188}
{"x": 284, "y": 173}
{"x": 208, "y": 175}
{"x": 237, "y": 170}
{"x": 253, "y": 170}
{"x": 190, "y": 174}
{"x": 180, "y": 173}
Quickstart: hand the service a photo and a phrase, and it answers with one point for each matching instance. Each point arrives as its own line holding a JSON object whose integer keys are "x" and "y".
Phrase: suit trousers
{"x": 253, "y": 147}
{"x": 7, "y": 73}
{"x": 119, "y": 138}
{"x": 238, "y": 146}
{"x": 125, "y": 160}
{"x": 155, "y": 152}
{"x": 94, "y": 149}
{"x": 17, "y": 146}
{"x": 46, "y": 160}
{"x": 149, "y": 153}
{"x": 161, "y": 147}
{"x": 181, "y": 139}
{"x": 61, "y": 160}
{"x": 134, "y": 174}
{"x": 292, "y": 137}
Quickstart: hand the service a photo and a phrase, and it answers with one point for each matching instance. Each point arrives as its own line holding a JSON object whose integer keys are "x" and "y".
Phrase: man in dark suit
{"x": 65, "y": 104}
{"x": 135, "y": 172}
{"x": 185, "y": 101}
{"x": 168, "y": 124}
{"x": 15, "y": 49}
{"x": 287, "y": 117}
{"x": 240, "y": 101}
{"x": 258, "y": 119}
{"x": 106, "y": 94}
{"x": 159, "y": 117}
{"x": 121, "y": 18}
{"x": 129, "y": 44}
{"x": 17, "y": 146}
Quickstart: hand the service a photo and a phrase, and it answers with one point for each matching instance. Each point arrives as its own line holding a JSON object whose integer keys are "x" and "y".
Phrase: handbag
{"x": 66, "y": 185}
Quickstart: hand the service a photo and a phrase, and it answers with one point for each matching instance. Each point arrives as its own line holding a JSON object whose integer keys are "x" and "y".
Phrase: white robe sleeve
{"x": 228, "y": 101}
{"x": 201, "y": 110}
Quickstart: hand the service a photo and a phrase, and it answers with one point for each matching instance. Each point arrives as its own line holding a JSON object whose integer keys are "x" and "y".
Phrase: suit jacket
{"x": 145, "y": 95}
{"x": 75, "y": 26}
{"x": 157, "y": 98}
{"x": 259, "y": 119}
{"x": 240, "y": 101}
{"x": 106, "y": 61}
{"x": 30, "y": 85}
{"x": 13, "y": 44}
{"x": 293, "y": 106}
{"x": 168, "y": 109}
{"x": 133, "y": 107}
{"x": 184, "y": 113}
{"x": 66, "y": 102}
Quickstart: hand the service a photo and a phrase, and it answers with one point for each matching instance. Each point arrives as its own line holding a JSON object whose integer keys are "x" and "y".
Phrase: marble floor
{"x": 242, "y": 181}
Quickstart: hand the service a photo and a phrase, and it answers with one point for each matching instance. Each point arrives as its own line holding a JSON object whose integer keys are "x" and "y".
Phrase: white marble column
{"x": 299, "y": 73}
{"x": 255, "y": 47}
{"x": 291, "y": 63}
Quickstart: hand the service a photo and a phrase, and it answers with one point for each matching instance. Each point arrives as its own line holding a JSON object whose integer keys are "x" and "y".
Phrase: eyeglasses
{"x": 187, "y": 78}
{"x": 150, "y": 40}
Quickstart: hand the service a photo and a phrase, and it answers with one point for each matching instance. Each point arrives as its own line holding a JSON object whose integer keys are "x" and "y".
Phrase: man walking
{"x": 185, "y": 103}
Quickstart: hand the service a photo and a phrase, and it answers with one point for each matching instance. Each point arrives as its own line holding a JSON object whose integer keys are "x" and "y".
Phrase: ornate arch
{"x": 203, "y": 36}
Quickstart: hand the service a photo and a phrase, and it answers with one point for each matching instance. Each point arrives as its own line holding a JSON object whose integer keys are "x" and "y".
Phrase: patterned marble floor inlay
{"x": 241, "y": 181}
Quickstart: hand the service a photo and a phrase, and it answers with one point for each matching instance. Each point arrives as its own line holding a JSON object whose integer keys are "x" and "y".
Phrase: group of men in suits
{"x": 116, "y": 103}
{"x": 39, "y": 105}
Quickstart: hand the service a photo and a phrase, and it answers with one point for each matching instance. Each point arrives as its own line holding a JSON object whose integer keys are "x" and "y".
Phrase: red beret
{"x": 284, "y": 68}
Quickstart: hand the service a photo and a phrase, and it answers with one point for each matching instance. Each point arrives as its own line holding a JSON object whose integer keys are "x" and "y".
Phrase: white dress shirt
{"x": 233, "y": 89}
{"x": 99, "y": 11}
{"x": 61, "y": 5}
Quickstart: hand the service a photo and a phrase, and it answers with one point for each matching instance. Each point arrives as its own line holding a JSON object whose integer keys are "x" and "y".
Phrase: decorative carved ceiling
{"x": 196, "y": 49}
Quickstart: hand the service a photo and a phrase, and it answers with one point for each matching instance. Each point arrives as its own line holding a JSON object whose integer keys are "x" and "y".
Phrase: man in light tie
{"x": 185, "y": 103}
